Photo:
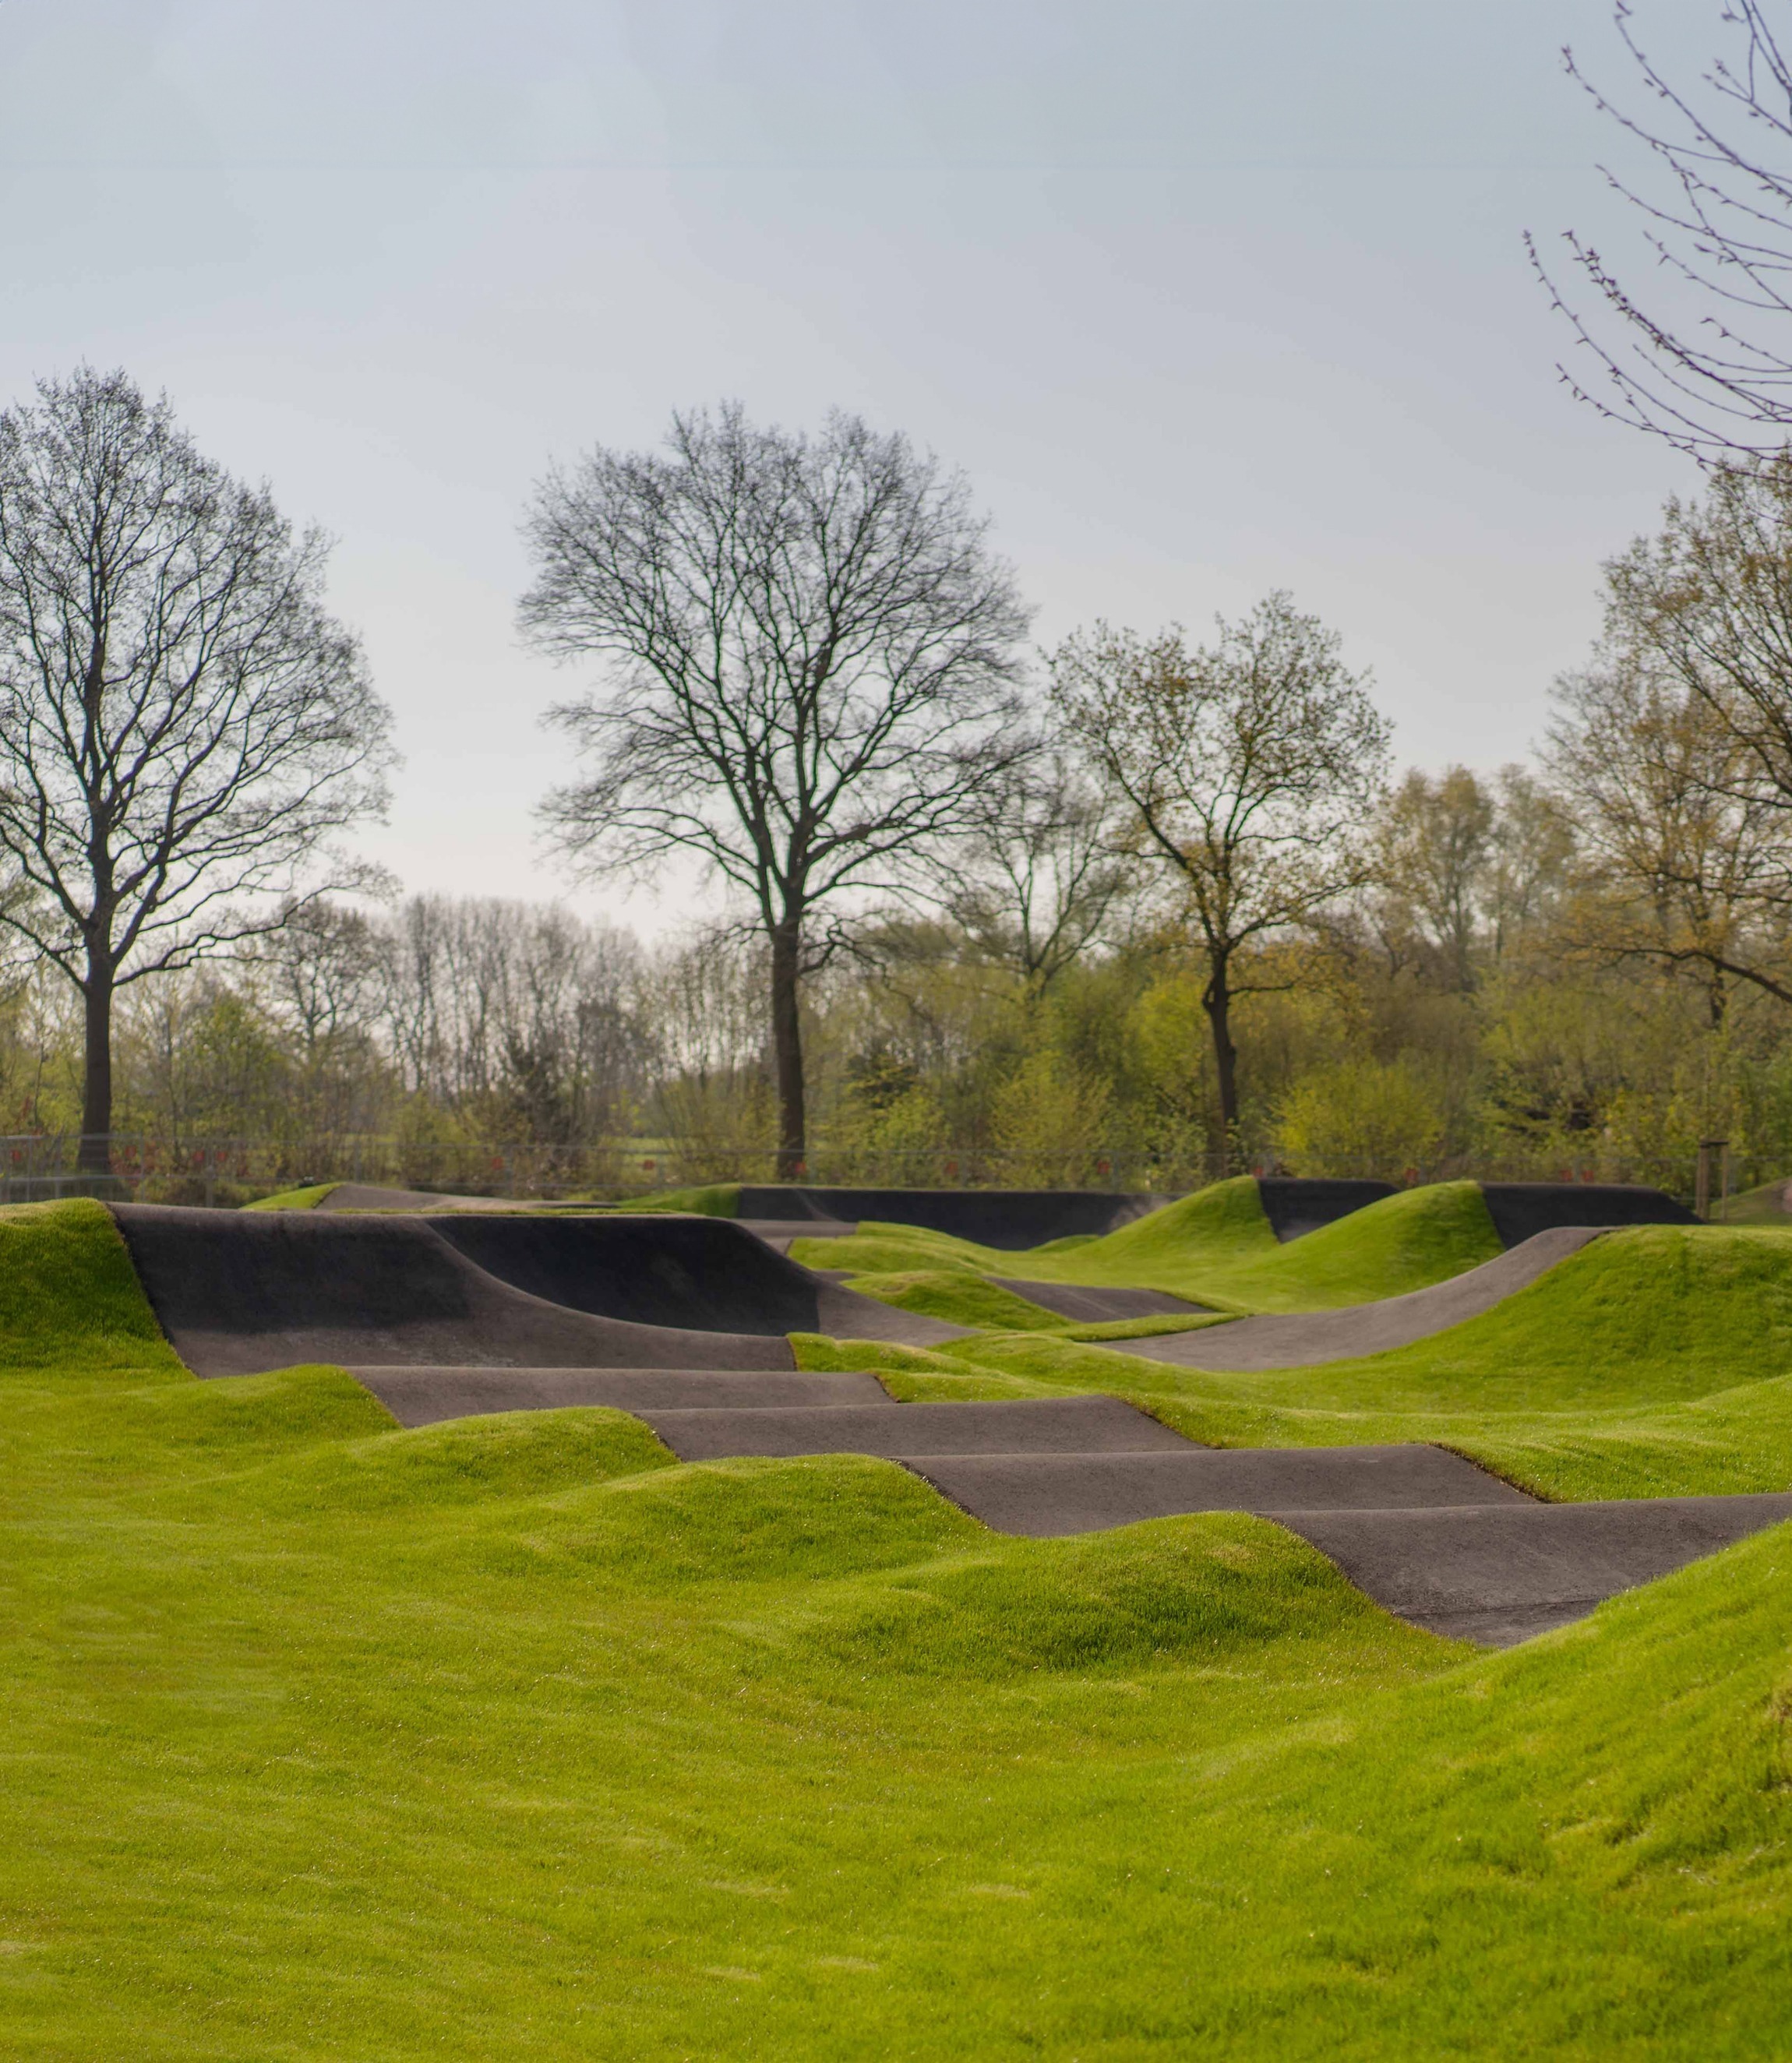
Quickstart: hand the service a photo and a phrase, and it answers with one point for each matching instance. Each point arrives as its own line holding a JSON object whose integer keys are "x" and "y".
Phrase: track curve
{"x": 1305, "y": 1339}
{"x": 240, "y": 1291}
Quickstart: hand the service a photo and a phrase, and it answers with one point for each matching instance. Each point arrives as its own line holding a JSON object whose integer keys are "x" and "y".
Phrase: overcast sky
{"x": 1206, "y": 299}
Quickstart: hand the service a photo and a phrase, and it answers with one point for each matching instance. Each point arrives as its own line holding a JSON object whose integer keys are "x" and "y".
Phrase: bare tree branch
{"x": 1722, "y": 231}
{"x": 812, "y": 671}
{"x": 181, "y": 725}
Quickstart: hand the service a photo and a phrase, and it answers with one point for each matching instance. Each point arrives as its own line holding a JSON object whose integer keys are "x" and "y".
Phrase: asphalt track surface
{"x": 682, "y": 1321}
{"x": 1043, "y": 1496}
{"x": 1096, "y": 1306}
{"x": 1520, "y": 1210}
{"x": 1010, "y": 1219}
{"x": 1073, "y": 1427}
{"x": 1295, "y": 1205}
{"x": 429, "y": 1396}
{"x": 1497, "y": 1575}
{"x": 240, "y": 1291}
{"x": 1305, "y": 1339}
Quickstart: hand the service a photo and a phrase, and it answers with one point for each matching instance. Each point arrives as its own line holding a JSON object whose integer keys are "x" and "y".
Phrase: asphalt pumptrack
{"x": 448, "y": 1309}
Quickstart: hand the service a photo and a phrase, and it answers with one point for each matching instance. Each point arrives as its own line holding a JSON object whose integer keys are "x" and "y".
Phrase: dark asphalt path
{"x": 239, "y": 1291}
{"x": 1305, "y": 1339}
{"x": 428, "y": 1395}
{"x": 1499, "y": 1575}
{"x": 1046, "y": 1496}
{"x": 1077, "y": 1427}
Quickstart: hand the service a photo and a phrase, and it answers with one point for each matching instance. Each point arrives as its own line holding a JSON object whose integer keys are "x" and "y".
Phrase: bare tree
{"x": 1533, "y": 847}
{"x": 181, "y": 722}
{"x": 1247, "y": 766}
{"x": 1037, "y": 879}
{"x": 1706, "y": 604}
{"x": 1684, "y": 867}
{"x": 812, "y": 672}
{"x": 1716, "y": 379}
{"x": 1435, "y": 845}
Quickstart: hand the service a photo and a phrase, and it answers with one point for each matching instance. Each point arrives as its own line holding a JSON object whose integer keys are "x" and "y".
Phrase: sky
{"x": 1205, "y": 300}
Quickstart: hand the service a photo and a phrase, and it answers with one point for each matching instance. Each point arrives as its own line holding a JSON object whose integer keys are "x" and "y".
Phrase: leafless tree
{"x": 1684, "y": 865}
{"x": 520, "y": 1019}
{"x": 1247, "y": 766}
{"x": 812, "y": 669}
{"x": 1038, "y": 877}
{"x": 1706, "y": 604}
{"x": 1533, "y": 850}
{"x": 182, "y": 724}
{"x": 1714, "y": 380}
{"x": 1434, "y": 846}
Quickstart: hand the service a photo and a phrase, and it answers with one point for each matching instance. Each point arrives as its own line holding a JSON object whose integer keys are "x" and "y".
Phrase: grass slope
{"x": 1216, "y": 1248}
{"x": 1656, "y": 1362}
{"x": 69, "y": 1295}
{"x": 961, "y": 1299}
{"x": 326, "y": 1740}
{"x": 1645, "y": 1315}
{"x": 713, "y": 1199}
{"x": 294, "y": 1200}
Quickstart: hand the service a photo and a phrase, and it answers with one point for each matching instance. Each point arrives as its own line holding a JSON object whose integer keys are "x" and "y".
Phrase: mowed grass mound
{"x": 1214, "y": 1247}
{"x": 1643, "y": 1315}
{"x": 512, "y": 1736}
{"x": 307, "y": 1199}
{"x": 1656, "y": 1362}
{"x": 710, "y": 1199}
{"x": 69, "y": 1295}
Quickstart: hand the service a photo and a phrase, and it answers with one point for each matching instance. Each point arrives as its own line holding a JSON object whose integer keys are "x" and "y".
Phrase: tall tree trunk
{"x": 787, "y": 1050}
{"x": 96, "y": 1094}
{"x": 1216, "y": 1001}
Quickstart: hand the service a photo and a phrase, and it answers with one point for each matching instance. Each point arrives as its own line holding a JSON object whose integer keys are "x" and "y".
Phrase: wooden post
{"x": 1702, "y": 1180}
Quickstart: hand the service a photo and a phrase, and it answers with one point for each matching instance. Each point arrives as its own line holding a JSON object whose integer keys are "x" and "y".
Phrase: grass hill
{"x": 1216, "y": 1248}
{"x": 294, "y": 1200}
{"x": 513, "y": 1737}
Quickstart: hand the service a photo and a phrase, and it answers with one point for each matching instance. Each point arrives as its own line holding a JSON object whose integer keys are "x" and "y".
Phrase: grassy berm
{"x": 1214, "y": 1247}
{"x": 513, "y": 1738}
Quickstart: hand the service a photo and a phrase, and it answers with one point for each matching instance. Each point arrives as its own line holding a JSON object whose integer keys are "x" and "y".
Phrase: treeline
{"x": 1140, "y": 910}
{"x": 1489, "y": 1001}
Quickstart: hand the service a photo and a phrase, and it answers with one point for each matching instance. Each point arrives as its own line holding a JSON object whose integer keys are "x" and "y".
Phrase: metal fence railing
{"x": 173, "y": 1169}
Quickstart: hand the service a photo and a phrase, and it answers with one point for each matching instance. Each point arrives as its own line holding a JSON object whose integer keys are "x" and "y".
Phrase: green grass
{"x": 1215, "y": 1248}
{"x": 324, "y": 1740}
{"x": 713, "y": 1199}
{"x": 961, "y": 1299}
{"x": 1656, "y": 1362}
{"x": 68, "y": 1294}
{"x": 1766, "y": 1205}
{"x": 294, "y": 1200}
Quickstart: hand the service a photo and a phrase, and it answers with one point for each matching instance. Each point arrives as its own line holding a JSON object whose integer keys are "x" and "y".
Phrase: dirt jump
{"x": 239, "y": 1291}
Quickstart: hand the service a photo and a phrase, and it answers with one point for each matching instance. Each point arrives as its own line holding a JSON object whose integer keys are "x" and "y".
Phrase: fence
{"x": 161, "y": 1168}
{"x": 158, "y": 1168}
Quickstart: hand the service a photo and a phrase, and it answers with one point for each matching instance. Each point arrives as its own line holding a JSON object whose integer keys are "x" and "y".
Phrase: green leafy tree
{"x": 1246, "y": 770}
